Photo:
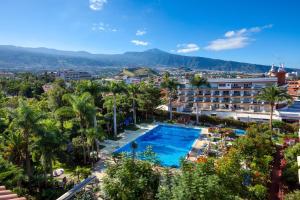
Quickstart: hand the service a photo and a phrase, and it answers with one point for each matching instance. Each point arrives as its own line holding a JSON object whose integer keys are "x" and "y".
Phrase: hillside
{"x": 138, "y": 72}
{"x": 20, "y": 58}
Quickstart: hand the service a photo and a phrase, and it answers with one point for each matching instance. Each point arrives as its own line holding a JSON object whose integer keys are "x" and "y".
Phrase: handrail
{"x": 76, "y": 188}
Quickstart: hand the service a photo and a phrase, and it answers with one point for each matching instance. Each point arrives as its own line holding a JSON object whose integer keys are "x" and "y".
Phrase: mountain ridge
{"x": 41, "y": 58}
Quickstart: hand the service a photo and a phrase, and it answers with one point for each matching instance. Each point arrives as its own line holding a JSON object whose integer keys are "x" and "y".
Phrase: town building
{"x": 226, "y": 98}
{"x": 294, "y": 88}
{"x": 6, "y": 75}
{"x": 69, "y": 75}
{"x": 230, "y": 97}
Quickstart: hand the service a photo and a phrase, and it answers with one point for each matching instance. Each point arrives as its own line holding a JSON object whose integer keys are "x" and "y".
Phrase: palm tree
{"x": 26, "y": 121}
{"x": 115, "y": 88}
{"x": 133, "y": 90}
{"x": 93, "y": 136}
{"x": 84, "y": 109}
{"x": 48, "y": 144}
{"x": 198, "y": 82}
{"x": 171, "y": 87}
{"x": 273, "y": 95}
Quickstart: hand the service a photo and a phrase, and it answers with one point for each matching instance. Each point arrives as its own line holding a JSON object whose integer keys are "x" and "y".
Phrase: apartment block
{"x": 234, "y": 97}
{"x": 69, "y": 75}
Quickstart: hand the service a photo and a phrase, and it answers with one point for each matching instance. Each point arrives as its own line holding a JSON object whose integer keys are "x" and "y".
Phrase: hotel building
{"x": 70, "y": 75}
{"x": 229, "y": 97}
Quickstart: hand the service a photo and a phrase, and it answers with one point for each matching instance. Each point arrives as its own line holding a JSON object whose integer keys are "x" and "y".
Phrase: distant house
{"x": 69, "y": 75}
{"x": 47, "y": 87}
{"x": 6, "y": 75}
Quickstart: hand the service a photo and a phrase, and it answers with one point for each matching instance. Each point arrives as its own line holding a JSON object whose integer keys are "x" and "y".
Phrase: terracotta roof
{"x": 9, "y": 195}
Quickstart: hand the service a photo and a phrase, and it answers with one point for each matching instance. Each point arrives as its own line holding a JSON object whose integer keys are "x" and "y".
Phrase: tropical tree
{"x": 115, "y": 88}
{"x": 170, "y": 85}
{"x": 131, "y": 180}
{"x": 47, "y": 145}
{"x": 93, "y": 136}
{"x": 198, "y": 82}
{"x": 84, "y": 109}
{"x": 12, "y": 147}
{"x": 133, "y": 90}
{"x": 10, "y": 174}
{"x": 148, "y": 98}
{"x": 273, "y": 95}
{"x": 26, "y": 121}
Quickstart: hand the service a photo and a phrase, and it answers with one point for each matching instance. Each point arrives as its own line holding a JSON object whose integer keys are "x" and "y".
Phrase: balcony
{"x": 215, "y": 100}
{"x": 236, "y": 101}
{"x": 236, "y": 87}
{"x": 189, "y": 93}
{"x": 235, "y": 94}
{"x": 206, "y": 100}
{"x": 198, "y": 100}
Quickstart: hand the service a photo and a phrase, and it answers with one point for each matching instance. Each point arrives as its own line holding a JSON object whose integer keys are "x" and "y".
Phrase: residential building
{"x": 226, "y": 98}
{"x": 294, "y": 88}
{"x": 6, "y": 75}
{"x": 69, "y": 75}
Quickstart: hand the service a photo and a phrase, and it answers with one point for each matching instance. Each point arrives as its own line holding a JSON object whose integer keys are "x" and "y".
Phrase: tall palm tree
{"x": 115, "y": 88}
{"x": 273, "y": 95}
{"x": 84, "y": 109}
{"x": 198, "y": 82}
{"x": 26, "y": 121}
{"x": 48, "y": 144}
{"x": 171, "y": 87}
{"x": 133, "y": 90}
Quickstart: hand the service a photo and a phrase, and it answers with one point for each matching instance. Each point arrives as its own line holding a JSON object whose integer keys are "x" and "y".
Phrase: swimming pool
{"x": 239, "y": 132}
{"x": 170, "y": 143}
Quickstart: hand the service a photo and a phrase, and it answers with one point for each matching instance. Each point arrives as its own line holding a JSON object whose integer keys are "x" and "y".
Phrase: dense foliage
{"x": 61, "y": 127}
{"x": 131, "y": 179}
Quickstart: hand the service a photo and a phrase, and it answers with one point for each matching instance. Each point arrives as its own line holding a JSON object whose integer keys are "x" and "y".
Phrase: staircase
{"x": 9, "y": 195}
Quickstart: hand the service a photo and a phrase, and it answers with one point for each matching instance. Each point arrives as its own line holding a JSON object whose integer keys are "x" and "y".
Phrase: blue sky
{"x": 256, "y": 31}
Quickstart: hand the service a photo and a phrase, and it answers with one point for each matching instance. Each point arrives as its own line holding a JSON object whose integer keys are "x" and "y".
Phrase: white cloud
{"x": 228, "y": 43}
{"x": 97, "y": 4}
{"x": 140, "y": 32}
{"x": 140, "y": 43}
{"x": 187, "y": 48}
{"x": 102, "y": 27}
{"x": 235, "y": 39}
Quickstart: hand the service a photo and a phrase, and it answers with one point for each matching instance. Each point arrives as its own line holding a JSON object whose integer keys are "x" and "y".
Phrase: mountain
{"x": 21, "y": 58}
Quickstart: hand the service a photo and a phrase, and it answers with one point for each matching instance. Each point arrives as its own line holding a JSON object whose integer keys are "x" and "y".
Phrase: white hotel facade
{"x": 234, "y": 97}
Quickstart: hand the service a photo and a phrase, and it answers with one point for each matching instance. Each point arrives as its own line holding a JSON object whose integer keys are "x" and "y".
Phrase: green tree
{"x": 10, "y": 174}
{"x": 131, "y": 180}
{"x": 295, "y": 195}
{"x": 198, "y": 82}
{"x": 133, "y": 90}
{"x": 47, "y": 145}
{"x": 84, "y": 109}
{"x": 115, "y": 88}
{"x": 149, "y": 98}
{"x": 170, "y": 85}
{"x": 26, "y": 121}
{"x": 199, "y": 181}
{"x": 290, "y": 172}
{"x": 273, "y": 95}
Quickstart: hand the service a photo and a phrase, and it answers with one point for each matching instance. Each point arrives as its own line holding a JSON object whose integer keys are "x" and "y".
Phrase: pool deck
{"x": 194, "y": 152}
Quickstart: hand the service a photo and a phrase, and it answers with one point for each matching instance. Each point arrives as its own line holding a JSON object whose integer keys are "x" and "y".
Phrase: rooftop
{"x": 242, "y": 80}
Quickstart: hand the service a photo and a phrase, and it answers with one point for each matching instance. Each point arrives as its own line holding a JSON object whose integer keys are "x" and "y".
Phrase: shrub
{"x": 295, "y": 195}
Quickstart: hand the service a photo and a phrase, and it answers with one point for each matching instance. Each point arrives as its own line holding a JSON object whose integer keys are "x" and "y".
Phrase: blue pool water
{"x": 170, "y": 143}
{"x": 239, "y": 132}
